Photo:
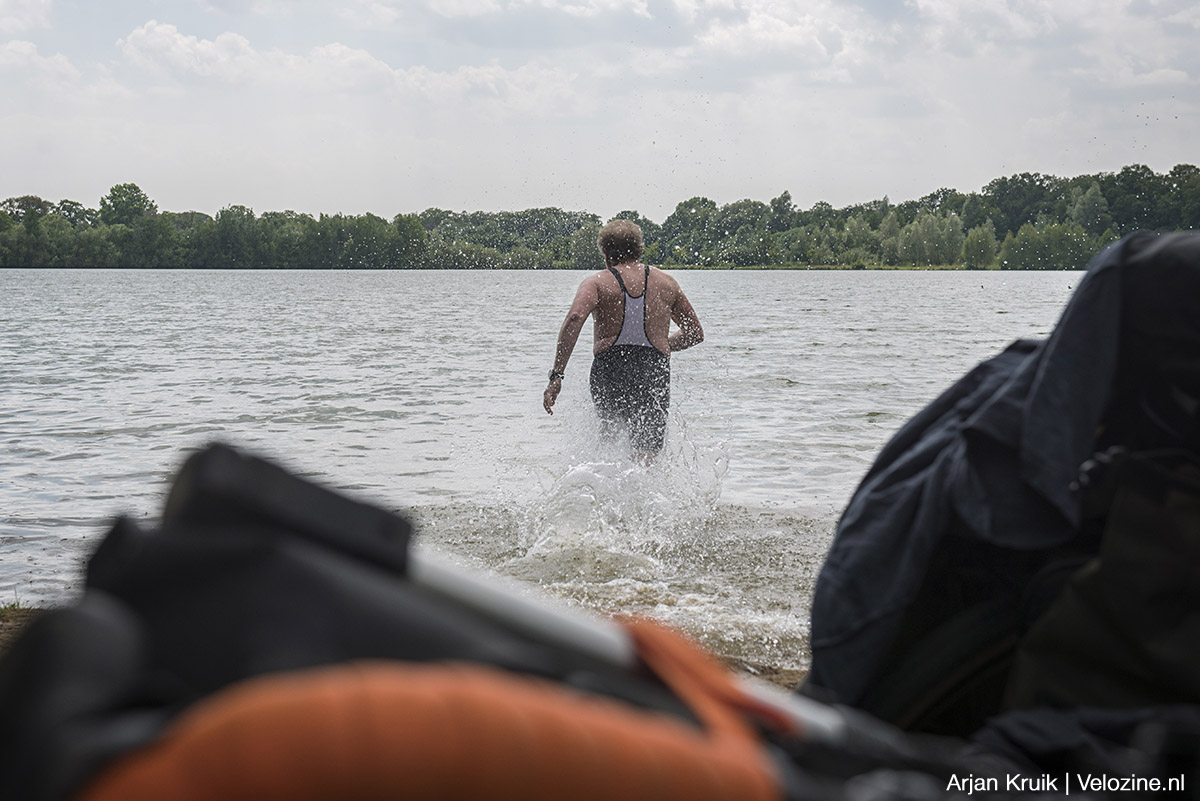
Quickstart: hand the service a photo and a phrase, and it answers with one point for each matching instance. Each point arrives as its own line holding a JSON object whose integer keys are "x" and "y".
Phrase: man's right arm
{"x": 586, "y": 299}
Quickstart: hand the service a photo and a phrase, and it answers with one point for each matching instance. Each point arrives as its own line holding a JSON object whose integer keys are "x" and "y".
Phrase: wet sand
{"x": 12, "y": 621}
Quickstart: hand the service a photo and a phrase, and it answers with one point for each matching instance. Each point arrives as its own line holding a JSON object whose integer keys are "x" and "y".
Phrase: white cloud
{"x": 947, "y": 20}
{"x": 389, "y": 11}
{"x": 18, "y": 16}
{"x": 691, "y": 9}
{"x": 818, "y": 43}
{"x": 266, "y": 8}
{"x": 336, "y": 69}
{"x": 592, "y": 8}
{"x": 370, "y": 13}
{"x": 1189, "y": 17}
{"x": 529, "y": 89}
{"x": 24, "y": 57}
{"x": 1127, "y": 50}
{"x": 164, "y": 51}
{"x": 161, "y": 47}
{"x": 761, "y": 30}
{"x": 464, "y": 8}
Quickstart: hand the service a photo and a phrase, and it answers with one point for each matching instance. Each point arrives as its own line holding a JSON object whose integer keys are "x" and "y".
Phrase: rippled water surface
{"x": 421, "y": 391}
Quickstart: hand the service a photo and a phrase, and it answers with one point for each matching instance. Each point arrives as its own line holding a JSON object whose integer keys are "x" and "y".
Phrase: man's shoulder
{"x": 594, "y": 283}
{"x": 595, "y": 279}
{"x": 665, "y": 279}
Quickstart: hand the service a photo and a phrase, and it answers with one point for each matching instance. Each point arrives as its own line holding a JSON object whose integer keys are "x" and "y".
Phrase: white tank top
{"x": 633, "y": 326}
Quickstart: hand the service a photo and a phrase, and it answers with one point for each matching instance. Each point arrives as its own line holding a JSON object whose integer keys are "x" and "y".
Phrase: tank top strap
{"x": 645, "y": 281}
{"x": 617, "y": 275}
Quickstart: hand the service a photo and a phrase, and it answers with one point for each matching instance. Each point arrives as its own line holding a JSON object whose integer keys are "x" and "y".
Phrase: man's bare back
{"x": 605, "y": 296}
{"x": 665, "y": 302}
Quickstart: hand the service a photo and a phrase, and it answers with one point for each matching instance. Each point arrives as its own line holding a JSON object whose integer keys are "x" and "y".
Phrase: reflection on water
{"x": 421, "y": 392}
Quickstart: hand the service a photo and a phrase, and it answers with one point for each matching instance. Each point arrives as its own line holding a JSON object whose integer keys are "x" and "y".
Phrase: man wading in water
{"x": 633, "y": 306}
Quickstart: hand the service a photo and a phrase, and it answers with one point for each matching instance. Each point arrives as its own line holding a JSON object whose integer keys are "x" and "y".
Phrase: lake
{"x": 421, "y": 391}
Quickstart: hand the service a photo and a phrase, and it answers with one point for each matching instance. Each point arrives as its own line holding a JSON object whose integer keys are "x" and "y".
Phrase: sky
{"x": 390, "y": 107}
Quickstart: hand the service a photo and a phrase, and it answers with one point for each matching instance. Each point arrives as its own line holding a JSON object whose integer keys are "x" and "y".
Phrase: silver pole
{"x": 543, "y": 620}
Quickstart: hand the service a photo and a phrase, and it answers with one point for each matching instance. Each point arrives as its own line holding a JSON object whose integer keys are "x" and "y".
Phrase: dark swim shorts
{"x": 631, "y": 387}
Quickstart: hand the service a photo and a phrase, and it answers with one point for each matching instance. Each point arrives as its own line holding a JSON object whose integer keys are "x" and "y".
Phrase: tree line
{"x": 1025, "y": 221}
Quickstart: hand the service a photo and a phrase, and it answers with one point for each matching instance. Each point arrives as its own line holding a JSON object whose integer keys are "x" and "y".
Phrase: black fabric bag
{"x": 1125, "y": 631}
{"x": 973, "y": 517}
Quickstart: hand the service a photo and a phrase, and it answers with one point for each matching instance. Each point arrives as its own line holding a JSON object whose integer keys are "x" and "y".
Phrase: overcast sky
{"x": 386, "y": 106}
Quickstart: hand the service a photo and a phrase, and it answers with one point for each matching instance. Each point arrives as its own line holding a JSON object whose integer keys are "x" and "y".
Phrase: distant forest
{"x": 1023, "y": 222}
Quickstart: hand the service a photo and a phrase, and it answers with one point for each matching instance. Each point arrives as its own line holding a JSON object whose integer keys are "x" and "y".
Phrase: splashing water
{"x": 605, "y": 517}
{"x": 606, "y": 533}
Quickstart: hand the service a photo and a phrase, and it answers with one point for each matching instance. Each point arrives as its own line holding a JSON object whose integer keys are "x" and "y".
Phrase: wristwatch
{"x": 555, "y": 374}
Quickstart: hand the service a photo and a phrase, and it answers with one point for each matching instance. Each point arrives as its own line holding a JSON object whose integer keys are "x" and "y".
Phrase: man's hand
{"x": 551, "y": 394}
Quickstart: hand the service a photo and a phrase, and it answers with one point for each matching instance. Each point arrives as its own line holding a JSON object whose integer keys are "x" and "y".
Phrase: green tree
{"x": 232, "y": 240}
{"x": 195, "y": 237}
{"x": 943, "y": 200}
{"x": 1047, "y": 246}
{"x": 283, "y": 235}
{"x": 1180, "y": 206}
{"x": 431, "y": 219}
{"x": 931, "y": 239}
{"x": 746, "y": 248}
{"x": 410, "y": 241}
{"x": 793, "y": 245}
{"x": 732, "y": 217}
{"x": 782, "y": 213}
{"x": 1020, "y": 199}
{"x": 440, "y": 252}
{"x": 921, "y": 240}
{"x": 824, "y": 243}
{"x": 119, "y": 240}
{"x": 975, "y": 212}
{"x": 77, "y": 214}
{"x": 151, "y": 243}
{"x": 27, "y": 243}
{"x": 741, "y": 233}
{"x": 585, "y": 250}
{"x": 94, "y": 248}
{"x": 368, "y": 243}
{"x": 952, "y": 239}
{"x": 124, "y": 204}
{"x": 873, "y": 211}
{"x": 1131, "y": 195}
{"x": 25, "y": 206}
{"x": 860, "y": 243}
{"x": 1089, "y": 209}
{"x": 326, "y": 241}
{"x": 889, "y": 238}
{"x": 980, "y": 246}
{"x": 689, "y": 232}
{"x": 821, "y": 214}
{"x": 7, "y": 224}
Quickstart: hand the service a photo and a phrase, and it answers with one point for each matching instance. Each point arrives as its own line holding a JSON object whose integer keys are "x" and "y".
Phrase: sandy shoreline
{"x": 12, "y": 621}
